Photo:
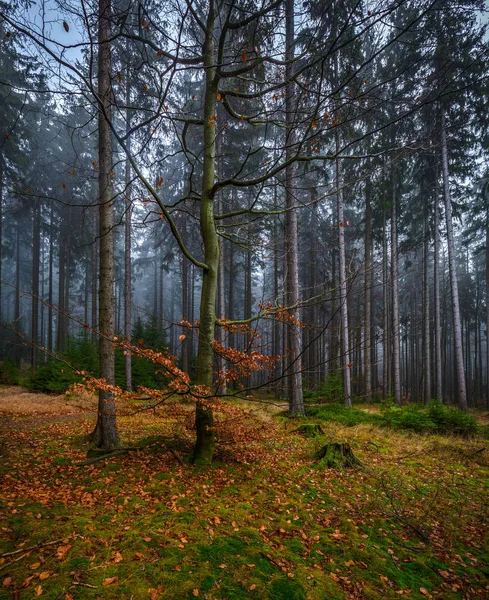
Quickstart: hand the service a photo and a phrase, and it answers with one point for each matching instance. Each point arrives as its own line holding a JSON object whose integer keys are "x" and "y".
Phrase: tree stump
{"x": 310, "y": 430}
{"x": 337, "y": 455}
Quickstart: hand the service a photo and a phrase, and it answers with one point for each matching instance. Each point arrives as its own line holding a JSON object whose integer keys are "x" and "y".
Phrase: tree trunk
{"x": 487, "y": 310}
{"x": 105, "y": 435}
{"x": 452, "y": 267}
{"x": 36, "y": 248}
{"x": 294, "y": 336}
{"x": 436, "y": 292}
{"x": 396, "y": 356}
{"x": 204, "y": 418}
{"x": 1, "y": 247}
{"x": 345, "y": 342}
{"x": 94, "y": 269}
{"x": 50, "y": 279}
{"x": 385, "y": 333}
{"x": 367, "y": 343}
{"x": 127, "y": 254}
{"x": 426, "y": 315}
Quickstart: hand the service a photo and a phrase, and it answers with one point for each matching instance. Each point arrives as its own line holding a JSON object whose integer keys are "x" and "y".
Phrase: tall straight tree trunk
{"x": 127, "y": 261}
{"x": 452, "y": 267}
{"x": 436, "y": 293}
{"x": 426, "y": 315}
{"x": 17, "y": 351}
{"x": 185, "y": 316}
{"x": 385, "y": 333}
{"x": 221, "y": 280}
{"x": 204, "y": 418}
{"x": 50, "y": 279}
{"x": 105, "y": 435}
{"x": 294, "y": 336}
{"x": 276, "y": 346}
{"x": 60, "y": 335}
{"x": 345, "y": 342}
{"x": 396, "y": 353}
{"x": 487, "y": 309}
{"x": 367, "y": 343}
{"x": 313, "y": 325}
{"x": 94, "y": 273}
{"x": 1, "y": 244}
{"x": 36, "y": 248}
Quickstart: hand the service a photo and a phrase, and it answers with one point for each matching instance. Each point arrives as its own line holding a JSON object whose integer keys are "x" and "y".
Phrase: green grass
{"x": 262, "y": 523}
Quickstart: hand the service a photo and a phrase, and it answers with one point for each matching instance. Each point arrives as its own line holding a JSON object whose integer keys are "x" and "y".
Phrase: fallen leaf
{"x": 44, "y": 575}
{"x": 153, "y": 594}
{"x": 252, "y": 587}
{"x": 195, "y": 592}
{"x": 35, "y": 566}
{"x": 7, "y": 581}
{"x": 26, "y": 581}
{"x": 38, "y": 590}
{"x": 117, "y": 556}
{"x": 336, "y": 535}
{"x": 66, "y": 26}
{"x": 109, "y": 580}
{"x": 62, "y": 551}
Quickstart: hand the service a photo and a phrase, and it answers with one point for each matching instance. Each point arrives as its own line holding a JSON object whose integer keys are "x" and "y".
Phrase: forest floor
{"x": 263, "y": 522}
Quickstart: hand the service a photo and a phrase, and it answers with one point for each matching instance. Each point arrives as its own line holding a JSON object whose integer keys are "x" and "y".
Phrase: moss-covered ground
{"x": 263, "y": 522}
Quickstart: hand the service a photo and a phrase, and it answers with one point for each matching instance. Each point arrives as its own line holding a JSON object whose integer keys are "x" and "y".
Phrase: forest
{"x": 244, "y": 299}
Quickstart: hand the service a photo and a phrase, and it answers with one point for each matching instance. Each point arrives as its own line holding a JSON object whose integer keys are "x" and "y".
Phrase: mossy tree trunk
{"x": 204, "y": 418}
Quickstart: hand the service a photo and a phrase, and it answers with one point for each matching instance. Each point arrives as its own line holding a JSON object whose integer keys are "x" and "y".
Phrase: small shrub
{"x": 51, "y": 377}
{"x": 451, "y": 420}
{"x": 339, "y": 413}
{"x": 412, "y": 417}
{"x": 9, "y": 372}
{"x": 328, "y": 390}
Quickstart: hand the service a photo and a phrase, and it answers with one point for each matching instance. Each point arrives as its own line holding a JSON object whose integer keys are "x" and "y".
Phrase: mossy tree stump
{"x": 337, "y": 455}
{"x": 310, "y": 430}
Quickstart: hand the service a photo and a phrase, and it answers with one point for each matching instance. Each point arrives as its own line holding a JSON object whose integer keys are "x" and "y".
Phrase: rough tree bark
{"x": 452, "y": 267}
{"x": 436, "y": 294}
{"x": 204, "y": 418}
{"x": 426, "y": 314}
{"x": 36, "y": 250}
{"x": 127, "y": 251}
{"x": 396, "y": 353}
{"x": 105, "y": 436}
{"x": 345, "y": 342}
{"x": 367, "y": 343}
{"x": 294, "y": 336}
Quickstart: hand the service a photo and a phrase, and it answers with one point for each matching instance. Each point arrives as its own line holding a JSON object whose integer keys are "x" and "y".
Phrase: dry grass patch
{"x": 18, "y": 401}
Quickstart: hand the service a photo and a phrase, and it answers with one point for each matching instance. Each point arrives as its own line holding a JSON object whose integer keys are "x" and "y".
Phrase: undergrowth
{"x": 267, "y": 525}
{"x": 434, "y": 418}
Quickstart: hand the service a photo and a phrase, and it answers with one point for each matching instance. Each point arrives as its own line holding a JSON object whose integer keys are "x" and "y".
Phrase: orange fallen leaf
{"x": 195, "y": 592}
{"x": 44, "y": 575}
{"x": 109, "y": 580}
{"x": 7, "y": 581}
{"x": 252, "y": 587}
{"x": 38, "y": 590}
{"x": 62, "y": 551}
{"x": 336, "y": 535}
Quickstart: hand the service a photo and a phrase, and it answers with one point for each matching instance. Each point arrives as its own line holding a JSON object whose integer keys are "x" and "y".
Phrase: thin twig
{"x": 35, "y": 547}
